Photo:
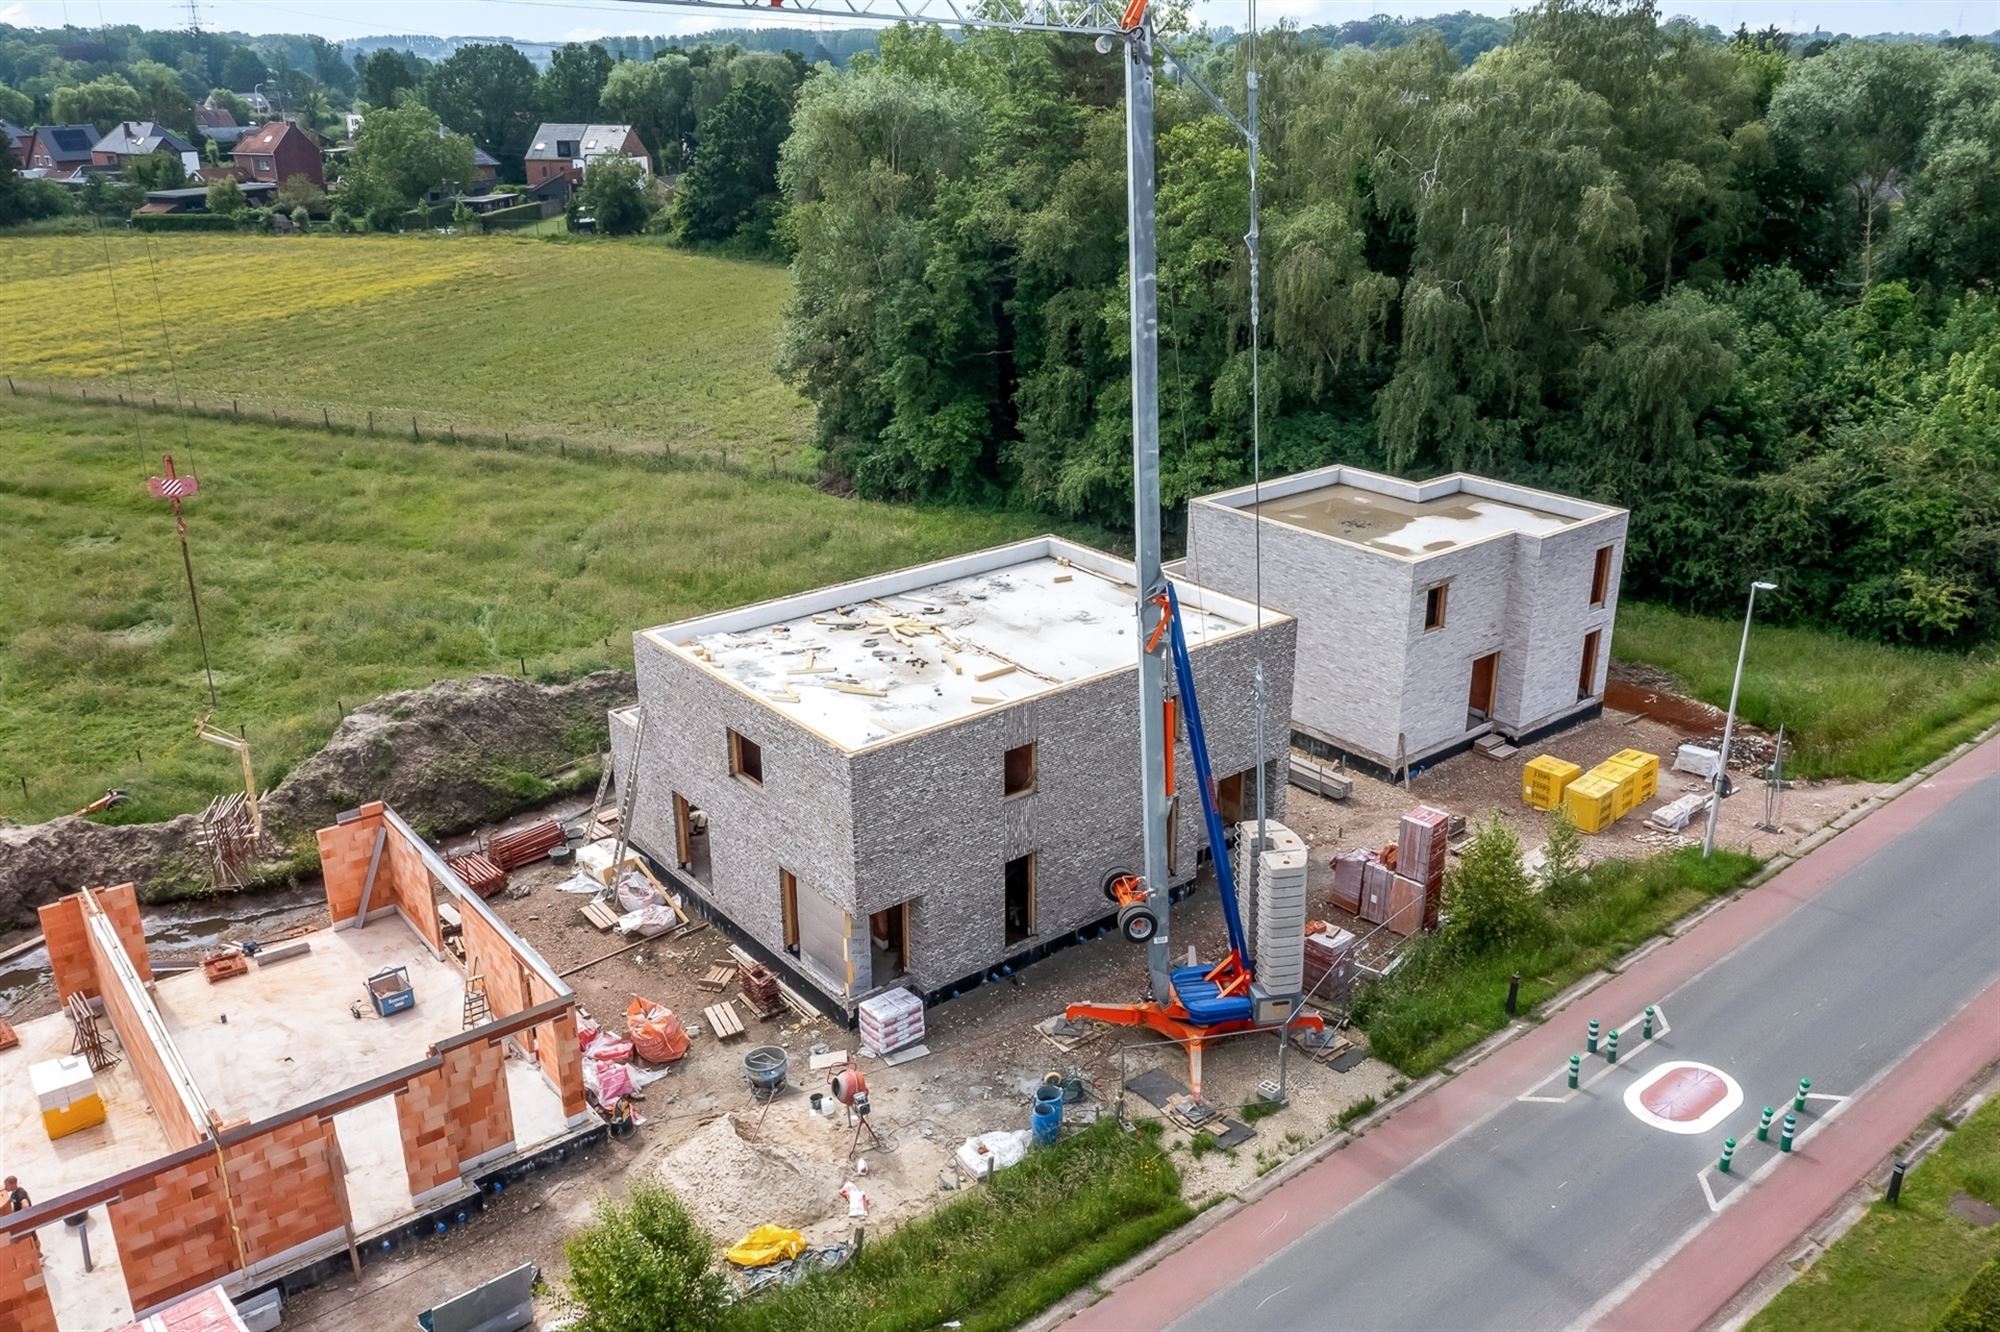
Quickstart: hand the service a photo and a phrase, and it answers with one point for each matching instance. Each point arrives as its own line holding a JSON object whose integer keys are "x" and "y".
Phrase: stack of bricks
{"x": 1423, "y": 841}
{"x": 24, "y": 1291}
{"x": 760, "y": 990}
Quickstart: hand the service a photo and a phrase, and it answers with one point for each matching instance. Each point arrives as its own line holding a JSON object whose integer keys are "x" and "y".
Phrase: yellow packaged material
{"x": 1543, "y": 779}
{"x": 1591, "y": 802}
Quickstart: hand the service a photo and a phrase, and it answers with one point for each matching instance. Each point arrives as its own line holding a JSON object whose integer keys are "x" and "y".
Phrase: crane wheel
{"x": 1138, "y": 923}
{"x": 1122, "y": 885}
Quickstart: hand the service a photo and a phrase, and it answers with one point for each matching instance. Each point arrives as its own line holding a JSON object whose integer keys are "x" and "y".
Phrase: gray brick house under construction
{"x": 914, "y": 778}
{"x": 1430, "y": 613}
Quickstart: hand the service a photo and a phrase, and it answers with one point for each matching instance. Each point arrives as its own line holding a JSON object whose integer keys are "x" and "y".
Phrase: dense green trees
{"x": 573, "y": 85}
{"x": 1746, "y": 292}
{"x": 400, "y": 155}
{"x": 486, "y": 91}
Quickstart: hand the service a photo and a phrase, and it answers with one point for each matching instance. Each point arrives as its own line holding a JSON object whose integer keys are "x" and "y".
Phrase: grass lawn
{"x": 1000, "y": 1254}
{"x": 1435, "y": 1006}
{"x": 607, "y": 341}
{"x": 334, "y": 569}
{"x": 1856, "y": 709}
{"x": 1901, "y": 1267}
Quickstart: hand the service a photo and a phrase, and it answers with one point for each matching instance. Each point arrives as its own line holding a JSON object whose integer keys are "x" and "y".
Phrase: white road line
{"x": 1272, "y": 1296}
{"x": 1660, "y": 1028}
{"x": 1275, "y": 1224}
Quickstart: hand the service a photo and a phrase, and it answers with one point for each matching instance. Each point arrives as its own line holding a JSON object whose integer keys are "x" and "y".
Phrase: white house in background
{"x": 1430, "y": 613}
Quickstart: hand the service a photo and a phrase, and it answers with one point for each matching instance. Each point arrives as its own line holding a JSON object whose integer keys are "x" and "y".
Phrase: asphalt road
{"x": 1534, "y": 1216}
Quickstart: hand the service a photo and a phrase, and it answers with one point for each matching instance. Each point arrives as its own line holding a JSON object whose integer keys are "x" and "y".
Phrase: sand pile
{"x": 731, "y": 1183}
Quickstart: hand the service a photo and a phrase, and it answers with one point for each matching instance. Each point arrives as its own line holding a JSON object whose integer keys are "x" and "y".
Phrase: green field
{"x": 630, "y": 343}
{"x": 1900, "y": 1268}
{"x": 334, "y": 569}
{"x": 1853, "y": 709}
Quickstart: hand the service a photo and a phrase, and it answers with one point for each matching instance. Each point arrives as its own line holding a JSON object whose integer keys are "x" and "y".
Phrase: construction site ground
{"x": 739, "y": 1163}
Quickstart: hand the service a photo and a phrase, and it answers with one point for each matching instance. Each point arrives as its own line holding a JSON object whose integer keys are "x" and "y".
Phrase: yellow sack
{"x": 765, "y": 1245}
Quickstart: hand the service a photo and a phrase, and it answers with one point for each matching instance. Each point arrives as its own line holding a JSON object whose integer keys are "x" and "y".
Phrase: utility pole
{"x": 174, "y": 489}
{"x": 1721, "y": 778}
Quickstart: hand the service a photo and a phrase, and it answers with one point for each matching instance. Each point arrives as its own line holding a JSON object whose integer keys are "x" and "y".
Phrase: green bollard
{"x": 1764, "y": 1125}
{"x": 1728, "y": 1150}
{"x": 1646, "y": 1033}
{"x": 1611, "y": 1048}
{"x": 1575, "y": 1065}
{"x": 1591, "y": 1046}
{"x": 1785, "y": 1136}
{"x": 1799, "y": 1101}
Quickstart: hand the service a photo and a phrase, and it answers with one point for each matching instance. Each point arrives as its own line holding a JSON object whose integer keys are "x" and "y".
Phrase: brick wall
{"x": 482, "y": 1115}
{"x": 68, "y": 943}
{"x": 121, "y": 904}
{"x": 284, "y": 1189}
{"x": 24, "y": 1294}
{"x": 172, "y": 1231}
{"x": 489, "y": 954}
{"x": 127, "y": 1012}
{"x": 400, "y": 880}
{"x": 423, "y": 1115}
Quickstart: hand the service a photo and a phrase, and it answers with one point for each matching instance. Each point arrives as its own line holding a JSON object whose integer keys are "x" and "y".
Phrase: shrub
{"x": 225, "y": 197}
{"x": 1563, "y": 877}
{"x": 301, "y": 218}
{"x": 1977, "y": 1308}
{"x": 184, "y": 222}
{"x": 643, "y": 1266}
{"x": 1488, "y": 893}
{"x": 340, "y": 221}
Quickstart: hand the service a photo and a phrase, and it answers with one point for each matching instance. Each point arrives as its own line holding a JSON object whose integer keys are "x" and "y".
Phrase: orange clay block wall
{"x": 284, "y": 1187}
{"x": 482, "y": 1115}
{"x": 400, "y": 881}
{"x": 172, "y": 1230}
{"x": 24, "y": 1295}
{"x": 512, "y": 987}
{"x": 423, "y": 1114}
{"x": 121, "y": 1007}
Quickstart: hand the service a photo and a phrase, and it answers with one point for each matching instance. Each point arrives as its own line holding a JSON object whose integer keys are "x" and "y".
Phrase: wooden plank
{"x": 831, "y": 1059}
{"x": 797, "y": 1001}
{"x": 718, "y": 978}
{"x": 864, "y": 690}
{"x": 723, "y": 1020}
{"x": 368, "y": 885}
{"x": 994, "y": 673}
{"x": 600, "y": 914}
{"x": 743, "y": 959}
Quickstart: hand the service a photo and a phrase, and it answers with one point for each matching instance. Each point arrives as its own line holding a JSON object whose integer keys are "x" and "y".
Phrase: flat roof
{"x": 865, "y": 662}
{"x": 1409, "y": 519}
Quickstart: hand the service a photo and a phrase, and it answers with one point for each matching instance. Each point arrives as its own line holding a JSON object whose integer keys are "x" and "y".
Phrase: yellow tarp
{"x": 766, "y": 1245}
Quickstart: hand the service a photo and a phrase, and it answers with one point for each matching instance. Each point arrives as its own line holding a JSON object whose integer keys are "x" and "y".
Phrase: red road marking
{"x": 1732, "y": 1249}
{"x": 1215, "y": 1260}
{"x": 1682, "y": 1094}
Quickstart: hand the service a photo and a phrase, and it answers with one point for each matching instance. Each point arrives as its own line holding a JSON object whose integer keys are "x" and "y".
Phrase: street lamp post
{"x": 1729, "y": 723}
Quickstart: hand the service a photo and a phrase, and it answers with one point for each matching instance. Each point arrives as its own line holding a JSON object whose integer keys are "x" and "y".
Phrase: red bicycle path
{"x": 1735, "y": 1245}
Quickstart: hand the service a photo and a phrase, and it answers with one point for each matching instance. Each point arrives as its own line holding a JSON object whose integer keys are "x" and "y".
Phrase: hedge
{"x": 184, "y": 221}
{"x": 510, "y": 217}
{"x": 1977, "y": 1308}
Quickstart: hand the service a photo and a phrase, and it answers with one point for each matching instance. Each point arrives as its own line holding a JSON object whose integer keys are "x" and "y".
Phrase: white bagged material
{"x": 997, "y": 1150}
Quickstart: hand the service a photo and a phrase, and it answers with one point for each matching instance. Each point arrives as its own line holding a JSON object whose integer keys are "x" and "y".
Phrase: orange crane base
{"x": 1172, "y": 1022}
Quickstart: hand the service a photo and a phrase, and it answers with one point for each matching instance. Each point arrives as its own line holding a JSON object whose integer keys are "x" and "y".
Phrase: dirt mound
{"x": 447, "y": 757}
{"x": 42, "y": 861}
{"x": 453, "y": 755}
{"x": 723, "y": 1177}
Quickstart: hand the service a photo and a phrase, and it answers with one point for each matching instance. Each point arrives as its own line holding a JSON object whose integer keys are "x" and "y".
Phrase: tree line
{"x": 1745, "y": 291}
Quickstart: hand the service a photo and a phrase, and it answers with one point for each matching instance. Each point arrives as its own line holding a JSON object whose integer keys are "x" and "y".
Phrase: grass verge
{"x": 1002, "y": 1253}
{"x": 334, "y": 569}
{"x": 1855, "y": 709}
{"x": 1439, "y": 1004}
{"x": 1902, "y": 1267}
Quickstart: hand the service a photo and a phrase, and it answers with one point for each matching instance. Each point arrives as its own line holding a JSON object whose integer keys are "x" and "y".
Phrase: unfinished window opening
{"x": 788, "y": 905}
{"x": 1586, "y": 678}
{"x": 1021, "y": 899}
{"x": 691, "y": 839}
{"x": 1479, "y": 702}
{"x": 1231, "y": 801}
{"x": 1600, "y": 577}
{"x": 1020, "y": 770}
{"x": 1434, "y": 608}
{"x": 746, "y": 759}
{"x": 888, "y": 942}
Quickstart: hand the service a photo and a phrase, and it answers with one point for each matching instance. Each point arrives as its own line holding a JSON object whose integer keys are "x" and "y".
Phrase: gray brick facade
{"x": 922, "y": 818}
{"x": 1370, "y": 677}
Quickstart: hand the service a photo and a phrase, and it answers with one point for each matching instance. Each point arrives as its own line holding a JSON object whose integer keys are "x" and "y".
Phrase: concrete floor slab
{"x": 371, "y": 1143}
{"x": 129, "y": 1135}
{"x": 291, "y": 1038}
{"x": 93, "y": 1299}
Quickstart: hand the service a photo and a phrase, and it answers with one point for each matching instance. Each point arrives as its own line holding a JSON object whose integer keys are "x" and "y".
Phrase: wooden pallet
{"x": 723, "y": 1020}
{"x": 600, "y": 913}
{"x": 718, "y": 977}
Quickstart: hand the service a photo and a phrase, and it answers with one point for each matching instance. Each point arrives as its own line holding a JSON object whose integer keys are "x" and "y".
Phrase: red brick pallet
{"x": 523, "y": 846}
{"x": 760, "y": 990}
{"x": 481, "y": 875}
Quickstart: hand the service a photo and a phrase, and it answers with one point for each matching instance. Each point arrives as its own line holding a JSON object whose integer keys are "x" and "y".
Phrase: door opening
{"x": 691, "y": 840}
{"x": 888, "y": 942}
{"x": 1479, "y": 702}
{"x": 1586, "y": 678}
{"x": 788, "y": 904}
{"x": 1020, "y": 899}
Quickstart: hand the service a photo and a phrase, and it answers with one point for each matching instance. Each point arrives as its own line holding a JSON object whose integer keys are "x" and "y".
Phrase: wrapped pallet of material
{"x": 1423, "y": 840}
{"x": 1543, "y": 779}
{"x": 1407, "y": 899}
{"x": 891, "y": 1020}
{"x": 1348, "y": 868}
{"x": 1329, "y": 964}
{"x": 1376, "y": 881}
{"x": 1591, "y": 801}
